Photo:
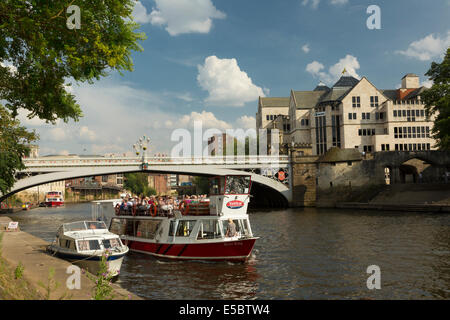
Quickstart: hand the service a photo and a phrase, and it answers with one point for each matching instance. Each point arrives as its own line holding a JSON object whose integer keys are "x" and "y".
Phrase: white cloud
{"x": 208, "y": 120}
{"x": 349, "y": 63}
{"x": 180, "y": 16}
{"x": 305, "y": 48}
{"x": 56, "y": 134}
{"x": 314, "y": 3}
{"x": 226, "y": 83}
{"x": 246, "y": 122}
{"x": 427, "y": 48}
{"x": 140, "y": 14}
{"x": 86, "y": 133}
{"x": 427, "y": 83}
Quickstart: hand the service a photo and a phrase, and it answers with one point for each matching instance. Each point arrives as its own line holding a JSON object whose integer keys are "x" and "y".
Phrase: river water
{"x": 302, "y": 254}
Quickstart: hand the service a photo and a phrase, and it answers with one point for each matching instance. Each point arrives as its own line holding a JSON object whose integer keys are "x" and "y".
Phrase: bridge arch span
{"x": 281, "y": 191}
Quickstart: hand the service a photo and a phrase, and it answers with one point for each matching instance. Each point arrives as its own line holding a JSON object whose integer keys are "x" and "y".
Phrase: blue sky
{"x": 210, "y": 60}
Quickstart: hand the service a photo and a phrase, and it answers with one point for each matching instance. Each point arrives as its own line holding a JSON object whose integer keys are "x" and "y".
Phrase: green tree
{"x": 138, "y": 184}
{"x": 437, "y": 101}
{"x": 40, "y": 56}
{"x": 39, "y": 53}
{"x": 202, "y": 184}
{"x": 14, "y": 145}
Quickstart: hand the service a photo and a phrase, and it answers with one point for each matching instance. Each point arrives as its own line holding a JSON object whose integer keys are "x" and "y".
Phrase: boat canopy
{"x": 230, "y": 184}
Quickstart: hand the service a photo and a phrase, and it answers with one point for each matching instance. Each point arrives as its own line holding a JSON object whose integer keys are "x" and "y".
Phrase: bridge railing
{"x": 127, "y": 161}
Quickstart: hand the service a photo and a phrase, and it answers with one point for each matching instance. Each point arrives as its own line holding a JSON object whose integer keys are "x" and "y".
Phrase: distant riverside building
{"x": 351, "y": 114}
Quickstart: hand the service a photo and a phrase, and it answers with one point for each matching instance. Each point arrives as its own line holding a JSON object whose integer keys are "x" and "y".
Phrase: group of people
{"x": 163, "y": 205}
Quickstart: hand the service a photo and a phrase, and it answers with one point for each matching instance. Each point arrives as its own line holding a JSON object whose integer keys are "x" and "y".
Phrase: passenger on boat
{"x": 231, "y": 228}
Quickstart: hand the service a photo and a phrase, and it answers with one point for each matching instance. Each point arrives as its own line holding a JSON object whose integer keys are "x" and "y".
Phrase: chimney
{"x": 410, "y": 81}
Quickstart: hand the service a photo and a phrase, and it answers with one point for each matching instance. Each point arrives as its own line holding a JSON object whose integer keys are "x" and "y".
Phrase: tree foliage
{"x": 40, "y": 56}
{"x": 39, "y": 53}
{"x": 437, "y": 101}
{"x": 14, "y": 145}
{"x": 138, "y": 184}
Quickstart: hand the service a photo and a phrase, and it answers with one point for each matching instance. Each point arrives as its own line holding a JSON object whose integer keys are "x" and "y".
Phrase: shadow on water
{"x": 302, "y": 254}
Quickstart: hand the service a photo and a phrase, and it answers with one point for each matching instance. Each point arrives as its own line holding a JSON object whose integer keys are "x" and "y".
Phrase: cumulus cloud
{"x": 314, "y": 3}
{"x": 305, "y": 48}
{"x": 427, "y": 48}
{"x": 246, "y": 122}
{"x": 427, "y": 83}
{"x": 180, "y": 16}
{"x": 226, "y": 83}
{"x": 208, "y": 120}
{"x": 140, "y": 14}
{"x": 87, "y": 134}
{"x": 349, "y": 63}
{"x": 56, "y": 134}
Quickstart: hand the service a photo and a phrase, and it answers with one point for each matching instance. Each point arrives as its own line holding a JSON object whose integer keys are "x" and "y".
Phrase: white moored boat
{"x": 218, "y": 229}
{"x": 84, "y": 242}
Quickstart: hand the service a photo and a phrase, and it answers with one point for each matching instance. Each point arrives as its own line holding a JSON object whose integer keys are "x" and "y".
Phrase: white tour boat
{"x": 218, "y": 229}
{"x": 84, "y": 242}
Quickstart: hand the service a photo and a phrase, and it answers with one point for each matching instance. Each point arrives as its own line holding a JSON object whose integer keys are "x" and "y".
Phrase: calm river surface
{"x": 302, "y": 254}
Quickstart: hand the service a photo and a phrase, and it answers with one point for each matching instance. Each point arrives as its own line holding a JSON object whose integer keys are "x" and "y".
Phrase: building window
{"x": 356, "y": 102}
{"x": 267, "y": 117}
{"x": 395, "y": 113}
{"x": 374, "y": 101}
{"x": 428, "y": 133}
{"x": 422, "y": 113}
{"x": 359, "y": 132}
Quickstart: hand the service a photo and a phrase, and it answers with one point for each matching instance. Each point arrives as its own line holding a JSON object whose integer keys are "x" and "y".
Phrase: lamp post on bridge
{"x": 141, "y": 148}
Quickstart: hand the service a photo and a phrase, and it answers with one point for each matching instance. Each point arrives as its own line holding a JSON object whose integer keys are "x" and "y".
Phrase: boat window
{"x": 172, "y": 228}
{"x": 96, "y": 225}
{"x": 86, "y": 245}
{"x": 216, "y": 185}
{"x": 185, "y": 227}
{"x": 147, "y": 229}
{"x": 242, "y": 228}
{"x": 74, "y": 226}
{"x": 209, "y": 229}
{"x": 237, "y": 185}
{"x": 111, "y": 243}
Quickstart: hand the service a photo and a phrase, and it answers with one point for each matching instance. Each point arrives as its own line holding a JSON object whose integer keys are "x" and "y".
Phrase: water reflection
{"x": 302, "y": 254}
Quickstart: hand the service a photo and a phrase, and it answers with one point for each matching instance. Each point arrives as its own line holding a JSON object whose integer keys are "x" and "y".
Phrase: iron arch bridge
{"x": 262, "y": 169}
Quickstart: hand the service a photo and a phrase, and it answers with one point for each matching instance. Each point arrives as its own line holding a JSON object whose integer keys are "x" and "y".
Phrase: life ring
{"x": 184, "y": 209}
{"x": 152, "y": 210}
{"x": 117, "y": 209}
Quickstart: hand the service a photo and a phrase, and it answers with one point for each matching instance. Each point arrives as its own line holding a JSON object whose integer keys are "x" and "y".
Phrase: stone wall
{"x": 304, "y": 181}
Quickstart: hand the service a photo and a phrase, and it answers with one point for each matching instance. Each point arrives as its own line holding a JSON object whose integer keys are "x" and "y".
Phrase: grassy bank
{"x": 12, "y": 284}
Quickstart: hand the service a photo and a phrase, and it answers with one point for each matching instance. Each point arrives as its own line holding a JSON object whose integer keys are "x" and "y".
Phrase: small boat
{"x": 84, "y": 242}
{"x": 54, "y": 199}
{"x": 217, "y": 229}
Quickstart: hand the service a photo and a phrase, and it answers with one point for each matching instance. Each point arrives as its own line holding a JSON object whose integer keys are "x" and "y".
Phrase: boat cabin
{"x": 85, "y": 236}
